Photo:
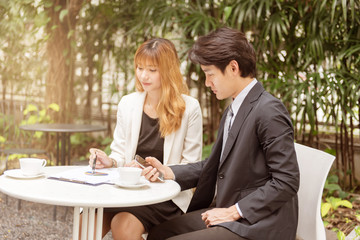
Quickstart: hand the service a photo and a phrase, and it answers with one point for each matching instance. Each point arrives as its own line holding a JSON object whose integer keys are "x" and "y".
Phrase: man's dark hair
{"x": 221, "y": 46}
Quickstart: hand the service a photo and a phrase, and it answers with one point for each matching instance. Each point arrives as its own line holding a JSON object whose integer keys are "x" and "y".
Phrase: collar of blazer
{"x": 245, "y": 108}
{"x": 136, "y": 114}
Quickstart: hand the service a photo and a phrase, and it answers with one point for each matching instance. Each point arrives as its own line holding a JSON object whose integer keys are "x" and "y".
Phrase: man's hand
{"x": 151, "y": 173}
{"x": 220, "y": 215}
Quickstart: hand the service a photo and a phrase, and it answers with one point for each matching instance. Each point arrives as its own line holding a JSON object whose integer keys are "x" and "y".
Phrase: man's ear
{"x": 234, "y": 66}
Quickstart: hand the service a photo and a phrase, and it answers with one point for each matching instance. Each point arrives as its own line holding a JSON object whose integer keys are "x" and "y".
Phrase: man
{"x": 247, "y": 188}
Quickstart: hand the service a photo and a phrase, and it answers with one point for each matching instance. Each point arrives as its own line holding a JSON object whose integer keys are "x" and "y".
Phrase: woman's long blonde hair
{"x": 162, "y": 54}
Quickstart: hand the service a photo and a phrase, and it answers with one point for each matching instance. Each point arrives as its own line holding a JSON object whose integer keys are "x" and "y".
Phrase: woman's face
{"x": 149, "y": 77}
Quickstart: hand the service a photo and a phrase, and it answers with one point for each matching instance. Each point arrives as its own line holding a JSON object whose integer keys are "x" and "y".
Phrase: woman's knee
{"x": 125, "y": 222}
{"x": 120, "y": 219}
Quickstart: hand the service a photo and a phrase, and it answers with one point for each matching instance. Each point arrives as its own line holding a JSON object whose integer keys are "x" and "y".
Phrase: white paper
{"x": 79, "y": 175}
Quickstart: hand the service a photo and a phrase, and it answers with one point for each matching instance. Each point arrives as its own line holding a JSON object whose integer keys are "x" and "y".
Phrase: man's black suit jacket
{"x": 258, "y": 170}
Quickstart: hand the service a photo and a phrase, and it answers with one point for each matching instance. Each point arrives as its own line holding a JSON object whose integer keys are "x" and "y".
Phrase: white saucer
{"x": 17, "y": 173}
{"x": 142, "y": 182}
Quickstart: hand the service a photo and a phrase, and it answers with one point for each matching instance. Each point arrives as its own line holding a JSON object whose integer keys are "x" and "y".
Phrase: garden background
{"x": 72, "y": 61}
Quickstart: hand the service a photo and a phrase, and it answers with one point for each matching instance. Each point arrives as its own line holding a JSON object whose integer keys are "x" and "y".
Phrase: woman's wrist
{"x": 113, "y": 162}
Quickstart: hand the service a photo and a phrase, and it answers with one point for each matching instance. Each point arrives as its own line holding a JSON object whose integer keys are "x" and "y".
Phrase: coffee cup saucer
{"x": 17, "y": 173}
{"x": 142, "y": 182}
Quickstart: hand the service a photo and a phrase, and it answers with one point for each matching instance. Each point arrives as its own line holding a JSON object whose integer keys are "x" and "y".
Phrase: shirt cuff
{"x": 239, "y": 210}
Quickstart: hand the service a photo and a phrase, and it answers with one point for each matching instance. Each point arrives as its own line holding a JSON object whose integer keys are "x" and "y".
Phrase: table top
{"x": 63, "y": 127}
{"x": 55, "y": 192}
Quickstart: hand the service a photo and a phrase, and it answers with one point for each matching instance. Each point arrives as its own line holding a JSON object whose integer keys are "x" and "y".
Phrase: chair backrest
{"x": 314, "y": 167}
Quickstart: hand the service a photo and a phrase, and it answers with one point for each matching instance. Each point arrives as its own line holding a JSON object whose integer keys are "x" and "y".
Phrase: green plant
{"x": 106, "y": 142}
{"x": 312, "y": 69}
{"x": 32, "y": 114}
{"x": 332, "y": 186}
{"x": 79, "y": 139}
{"x": 332, "y": 204}
{"x": 206, "y": 151}
{"x": 341, "y": 235}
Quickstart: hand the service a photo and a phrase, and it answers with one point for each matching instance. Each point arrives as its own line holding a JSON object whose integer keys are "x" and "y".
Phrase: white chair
{"x": 314, "y": 167}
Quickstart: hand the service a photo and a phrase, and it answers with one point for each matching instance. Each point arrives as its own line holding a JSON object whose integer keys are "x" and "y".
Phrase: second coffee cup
{"x": 129, "y": 175}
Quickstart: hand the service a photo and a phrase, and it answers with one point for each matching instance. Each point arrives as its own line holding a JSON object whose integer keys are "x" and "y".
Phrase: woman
{"x": 158, "y": 121}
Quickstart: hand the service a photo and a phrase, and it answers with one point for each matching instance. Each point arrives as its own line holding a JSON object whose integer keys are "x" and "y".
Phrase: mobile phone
{"x": 143, "y": 164}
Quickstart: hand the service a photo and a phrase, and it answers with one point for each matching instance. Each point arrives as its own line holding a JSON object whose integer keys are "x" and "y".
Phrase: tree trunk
{"x": 60, "y": 54}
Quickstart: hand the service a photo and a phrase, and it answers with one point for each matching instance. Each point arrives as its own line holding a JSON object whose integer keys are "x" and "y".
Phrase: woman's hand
{"x": 152, "y": 172}
{"x": 102, "y": 160}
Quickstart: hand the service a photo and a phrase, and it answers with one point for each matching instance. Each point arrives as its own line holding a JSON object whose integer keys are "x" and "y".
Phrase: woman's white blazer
{"x": 180, "y": 147}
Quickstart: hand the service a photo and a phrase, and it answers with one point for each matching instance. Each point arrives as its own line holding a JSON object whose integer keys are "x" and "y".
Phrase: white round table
{"x": 90, "y": 198}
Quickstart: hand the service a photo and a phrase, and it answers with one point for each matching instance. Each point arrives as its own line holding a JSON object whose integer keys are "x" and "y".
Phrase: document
{"x": 84, "y": 175}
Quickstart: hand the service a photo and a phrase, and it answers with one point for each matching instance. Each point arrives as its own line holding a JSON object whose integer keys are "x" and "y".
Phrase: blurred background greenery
{"x": 75, "y": 51}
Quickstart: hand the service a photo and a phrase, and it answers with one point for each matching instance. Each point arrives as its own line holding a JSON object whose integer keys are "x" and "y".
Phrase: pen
{"x": 94, "y": 164}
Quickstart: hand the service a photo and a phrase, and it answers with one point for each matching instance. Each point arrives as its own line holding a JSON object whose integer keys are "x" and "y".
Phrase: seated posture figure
{"x": 160, "y": 122}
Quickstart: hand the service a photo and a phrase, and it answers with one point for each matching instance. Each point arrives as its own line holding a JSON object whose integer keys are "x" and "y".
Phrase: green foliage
{"x": 330, "y": 151}
{"x": 19, "y": 53}
{"x": 340, "y": 235}
{"x": 206, "y": 151}
{"x": 13, "y": 135}
{"x": 332, "y": 186}
{"x": 9, "y": 123}
{"x": 357, "y": 231}
{"x": 107, "y": 150}
{"x": 55, "y": 107}
{"x": 62, "y": 14}
{"x": 332, "y": 204}
{"x": 16, "y": 156}
{"x": 79, "y": 139}
{"x": 308, "y": 53}
{"x": 106, "y": 142}
{"x": 32, "y": 114}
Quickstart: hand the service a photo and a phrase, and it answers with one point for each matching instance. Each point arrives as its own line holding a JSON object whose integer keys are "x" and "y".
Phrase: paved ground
{"x": 34, "y": 221}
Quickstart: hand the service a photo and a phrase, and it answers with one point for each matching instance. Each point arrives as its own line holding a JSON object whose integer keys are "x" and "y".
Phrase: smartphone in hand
{"x": 143, "y": 164}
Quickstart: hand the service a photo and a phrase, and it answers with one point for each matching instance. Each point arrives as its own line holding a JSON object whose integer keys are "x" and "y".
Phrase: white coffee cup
{"x": 129, "y": 175}
{"x": 32, "y": 166}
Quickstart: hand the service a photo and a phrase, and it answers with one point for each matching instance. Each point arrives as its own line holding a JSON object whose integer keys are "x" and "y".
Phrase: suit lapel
{"x": 245, "y": 109}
